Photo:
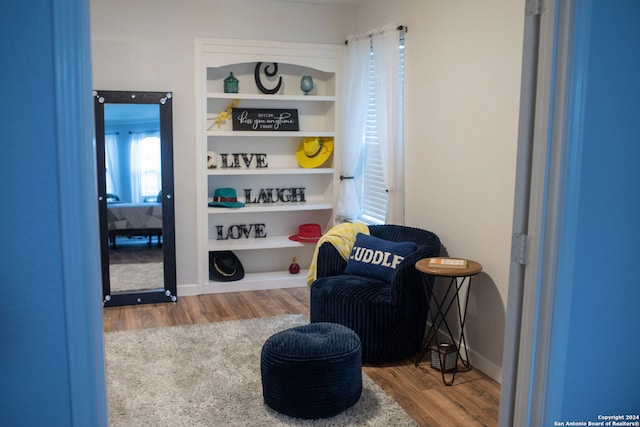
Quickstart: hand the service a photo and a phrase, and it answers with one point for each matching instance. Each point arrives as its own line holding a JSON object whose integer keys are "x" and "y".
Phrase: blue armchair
{"x": 389, "y": 317}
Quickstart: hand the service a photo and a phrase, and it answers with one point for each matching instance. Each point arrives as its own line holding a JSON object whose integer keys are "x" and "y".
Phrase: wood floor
{"x": 473, "y": 399}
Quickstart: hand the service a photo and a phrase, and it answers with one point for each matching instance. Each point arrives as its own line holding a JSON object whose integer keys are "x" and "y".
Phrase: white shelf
{"x": 270, "y": 171}
{"x": 271, "y": 242}
{"x": 305, "y": 98}
{"x": 272, "y": 134}
{"x": 272, "y": 207}
{"x": 259, "y": 281}
{"x": 264, "y": 259}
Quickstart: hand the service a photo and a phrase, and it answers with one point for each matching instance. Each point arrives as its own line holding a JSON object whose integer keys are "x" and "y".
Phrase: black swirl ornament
{"x": 267, "y": 73}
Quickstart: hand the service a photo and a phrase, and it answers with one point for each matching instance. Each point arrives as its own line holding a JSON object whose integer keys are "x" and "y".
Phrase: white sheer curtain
{"x": 356, "y": 98}
{"x": 382, "y": 46}
{"x": 111, "y": 163}
{"x": 388, "y": 94}
{"x": 144, "y": 164}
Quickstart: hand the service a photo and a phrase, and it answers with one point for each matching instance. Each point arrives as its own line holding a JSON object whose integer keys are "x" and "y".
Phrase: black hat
{"x": 224, "y": 266}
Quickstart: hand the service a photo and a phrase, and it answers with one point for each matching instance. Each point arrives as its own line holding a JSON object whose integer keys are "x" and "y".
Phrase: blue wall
{"x": 595, "y": 345}
{"x": 50, "y": 322}
{"x": 32, "y": 313}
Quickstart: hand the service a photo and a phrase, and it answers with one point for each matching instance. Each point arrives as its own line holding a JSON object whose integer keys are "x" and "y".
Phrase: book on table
{"x": 448, "y": 262}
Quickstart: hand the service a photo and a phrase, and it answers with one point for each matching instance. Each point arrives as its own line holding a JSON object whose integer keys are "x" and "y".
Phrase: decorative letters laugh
{"x": 275, "y": 195}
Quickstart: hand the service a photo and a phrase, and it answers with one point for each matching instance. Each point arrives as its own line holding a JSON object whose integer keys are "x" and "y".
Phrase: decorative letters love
{"x": 241, "y": 230}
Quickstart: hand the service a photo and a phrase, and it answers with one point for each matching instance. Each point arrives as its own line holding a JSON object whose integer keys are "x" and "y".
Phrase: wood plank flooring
{"x": 473, "y": 400}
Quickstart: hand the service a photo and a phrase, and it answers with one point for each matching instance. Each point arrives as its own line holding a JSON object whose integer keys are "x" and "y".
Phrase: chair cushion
{"x": 377, "y": 258}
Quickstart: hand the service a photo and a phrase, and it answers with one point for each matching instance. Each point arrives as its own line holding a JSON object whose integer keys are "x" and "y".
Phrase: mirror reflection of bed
{"x": 135, "y": 245}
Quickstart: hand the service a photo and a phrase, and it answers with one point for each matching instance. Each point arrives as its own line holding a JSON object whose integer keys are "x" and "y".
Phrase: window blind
{"x": 374, "y": 193}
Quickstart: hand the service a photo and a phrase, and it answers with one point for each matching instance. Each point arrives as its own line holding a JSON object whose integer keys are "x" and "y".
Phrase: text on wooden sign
{"x": 265, "y": 119}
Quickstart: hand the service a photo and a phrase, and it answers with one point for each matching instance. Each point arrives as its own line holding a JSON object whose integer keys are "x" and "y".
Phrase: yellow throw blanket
{"x": 342, "y": 237}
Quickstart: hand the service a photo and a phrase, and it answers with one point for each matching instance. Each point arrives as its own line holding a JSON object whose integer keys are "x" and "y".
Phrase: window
{"x": 374, "y": 194}
{"x": 149, "y": 167}
{"x": 145, "y": 167}
{"x": 133, "y": 166}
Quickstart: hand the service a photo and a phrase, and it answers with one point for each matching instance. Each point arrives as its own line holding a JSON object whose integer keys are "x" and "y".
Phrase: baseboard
{"x": 187, "y": 290}
{"x": 250, "y": 282}
{"x": 485, "y": 366}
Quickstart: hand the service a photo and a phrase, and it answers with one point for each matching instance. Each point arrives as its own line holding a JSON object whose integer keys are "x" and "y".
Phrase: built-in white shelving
{"x": 265, "y": 258}
{"x": 272, "y": 171}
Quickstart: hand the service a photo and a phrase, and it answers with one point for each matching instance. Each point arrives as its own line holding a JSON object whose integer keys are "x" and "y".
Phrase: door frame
{"x": 532, "y": 285}
{"x": 71, "y": 41}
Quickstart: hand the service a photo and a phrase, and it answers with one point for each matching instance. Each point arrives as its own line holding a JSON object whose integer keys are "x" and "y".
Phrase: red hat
{"x": 307, "y": 233}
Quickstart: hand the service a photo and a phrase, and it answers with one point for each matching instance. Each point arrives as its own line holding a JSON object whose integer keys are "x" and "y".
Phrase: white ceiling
{"x": 347, "y": 2}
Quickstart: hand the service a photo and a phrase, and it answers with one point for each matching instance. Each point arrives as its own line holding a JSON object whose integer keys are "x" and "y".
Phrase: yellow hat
{"x": 314, "y": 151}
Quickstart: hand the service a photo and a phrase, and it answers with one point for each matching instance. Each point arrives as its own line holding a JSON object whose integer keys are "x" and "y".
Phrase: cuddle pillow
{"x": 377, "y": 258}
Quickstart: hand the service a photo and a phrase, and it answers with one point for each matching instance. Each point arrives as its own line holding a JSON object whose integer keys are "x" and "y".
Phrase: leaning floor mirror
{"x": 134, "y": 147}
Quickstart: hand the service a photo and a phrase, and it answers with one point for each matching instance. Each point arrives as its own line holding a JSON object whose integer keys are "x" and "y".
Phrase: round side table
{"x": 459, "y": 274}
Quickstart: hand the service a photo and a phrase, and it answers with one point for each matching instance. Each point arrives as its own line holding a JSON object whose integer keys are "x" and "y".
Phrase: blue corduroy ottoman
{"x": 312, "y": 371}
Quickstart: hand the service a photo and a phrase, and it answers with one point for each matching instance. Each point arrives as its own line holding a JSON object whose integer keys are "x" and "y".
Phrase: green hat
{"x": 225, "y": 198}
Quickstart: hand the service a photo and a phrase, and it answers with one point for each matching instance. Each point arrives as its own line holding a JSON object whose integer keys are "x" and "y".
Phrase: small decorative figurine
{"x": 231, "y": 84}
{"x": 212, "y": 160}
{"x": 294, "y": 268}
{"x": 306, "y": 84}
{"x": 270, "y": 74}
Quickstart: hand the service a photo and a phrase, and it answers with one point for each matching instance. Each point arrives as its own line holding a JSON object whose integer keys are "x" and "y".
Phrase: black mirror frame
{"x": 164, "y": 100}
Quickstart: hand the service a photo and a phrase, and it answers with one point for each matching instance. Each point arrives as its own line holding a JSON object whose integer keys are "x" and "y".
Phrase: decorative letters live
{"x": 232, "y": 160}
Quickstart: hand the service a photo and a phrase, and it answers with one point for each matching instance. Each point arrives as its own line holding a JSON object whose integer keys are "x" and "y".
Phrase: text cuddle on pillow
{"x": 377, "y": 258}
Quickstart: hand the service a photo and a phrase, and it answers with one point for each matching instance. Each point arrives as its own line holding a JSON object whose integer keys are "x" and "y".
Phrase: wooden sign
{"x": 265, "y": 119}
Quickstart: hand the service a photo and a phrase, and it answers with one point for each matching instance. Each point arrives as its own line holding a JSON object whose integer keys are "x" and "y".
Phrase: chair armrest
{"x": 329, "y": 261}
{"x": 408, "y": 283}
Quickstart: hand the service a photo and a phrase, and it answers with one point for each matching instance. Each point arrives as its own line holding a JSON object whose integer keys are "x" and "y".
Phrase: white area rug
{"x": 209, "y": 375}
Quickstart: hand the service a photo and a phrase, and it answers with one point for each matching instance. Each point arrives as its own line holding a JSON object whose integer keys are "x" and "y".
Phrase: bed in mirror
{"x": 134, "y": 147}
